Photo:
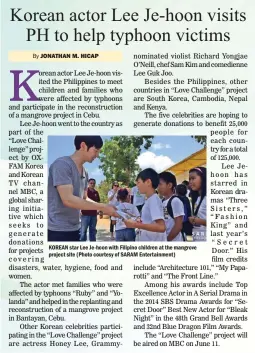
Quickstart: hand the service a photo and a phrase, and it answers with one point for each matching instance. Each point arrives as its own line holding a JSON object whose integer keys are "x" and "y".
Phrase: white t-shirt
{"x": 152, "y": 210}
{"x": 124, "y": 206}
{"x": 114, "y": 201}
{"x": 139, "y": 199}
{"x": 178, "y": 210}
{"x": 199, "y": 232}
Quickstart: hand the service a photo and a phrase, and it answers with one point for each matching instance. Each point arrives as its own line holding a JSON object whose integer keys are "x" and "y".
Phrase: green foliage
{"x": 103, "y": 189}
{"x": 200, "y": 139}
{"x": 118, "y": 158}
{"x": 137, "y": 142}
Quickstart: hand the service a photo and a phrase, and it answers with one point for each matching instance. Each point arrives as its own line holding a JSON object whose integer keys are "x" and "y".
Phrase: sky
{"x": 164, "y": 152}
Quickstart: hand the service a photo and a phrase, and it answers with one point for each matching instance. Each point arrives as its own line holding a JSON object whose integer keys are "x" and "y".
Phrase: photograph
{"x": 127, "y": 188}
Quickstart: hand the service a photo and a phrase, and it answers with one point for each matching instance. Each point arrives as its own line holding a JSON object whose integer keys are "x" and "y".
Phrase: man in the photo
{"x": 89, "y": 217}
{"x": 66, "y": 185}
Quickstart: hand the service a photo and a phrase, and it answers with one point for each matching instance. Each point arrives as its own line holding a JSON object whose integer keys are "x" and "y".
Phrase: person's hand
{"x": 130, "y": 223}
{"x": 192, "y": 219}
{"x": 110, "y": 211}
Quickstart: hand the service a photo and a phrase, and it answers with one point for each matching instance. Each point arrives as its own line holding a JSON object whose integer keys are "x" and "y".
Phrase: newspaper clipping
{"x": 127, "y": 123}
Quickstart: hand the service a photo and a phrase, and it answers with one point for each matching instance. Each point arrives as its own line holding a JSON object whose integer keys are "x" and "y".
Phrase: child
{"x": 181, "y": 190}
{"x": 152, "y": 223}
{"x": 187, "y": 227}
{"x": 122, "y": 232}
{"x": 186, "y": 183}
{"x": 167, "y": 184}
{"x": 197, "y": 179}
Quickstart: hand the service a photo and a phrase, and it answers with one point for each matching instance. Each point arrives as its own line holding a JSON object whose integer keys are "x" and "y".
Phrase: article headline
{"x": 134, "y": 35}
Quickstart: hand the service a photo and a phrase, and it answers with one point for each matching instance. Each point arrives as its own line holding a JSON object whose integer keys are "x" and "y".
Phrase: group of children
{"x": 174, "y": 217}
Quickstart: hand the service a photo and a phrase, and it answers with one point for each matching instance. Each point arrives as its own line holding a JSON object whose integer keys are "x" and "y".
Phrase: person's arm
{"x": 69, "y": 200}
{"x": 87, "y": 198}
{"x": 158, "y": 223}
{"x": 62, "y": 179}
{"x": 197, "y": 221}
{"x": 157, "y": 227}
{"x": 176, "y": 228}
{"x": 85, "y": 195}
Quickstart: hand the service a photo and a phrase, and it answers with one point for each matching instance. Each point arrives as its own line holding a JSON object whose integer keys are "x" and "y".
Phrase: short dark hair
{"x": 91, "y": 141}
{"x": 150, "y": 174}
{"x": 185, "y": 182}
{"x": 181, "y": 189}
{"x": 168, "y": 178}
{"x": 92, "y": 179}
{"x": 122, "y": 194}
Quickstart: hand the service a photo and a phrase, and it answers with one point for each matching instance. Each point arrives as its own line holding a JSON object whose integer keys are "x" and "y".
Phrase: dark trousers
{"x": 127, "y": 234}
{"x": 111, "y": 227}
{"x": 63, "y": 236}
